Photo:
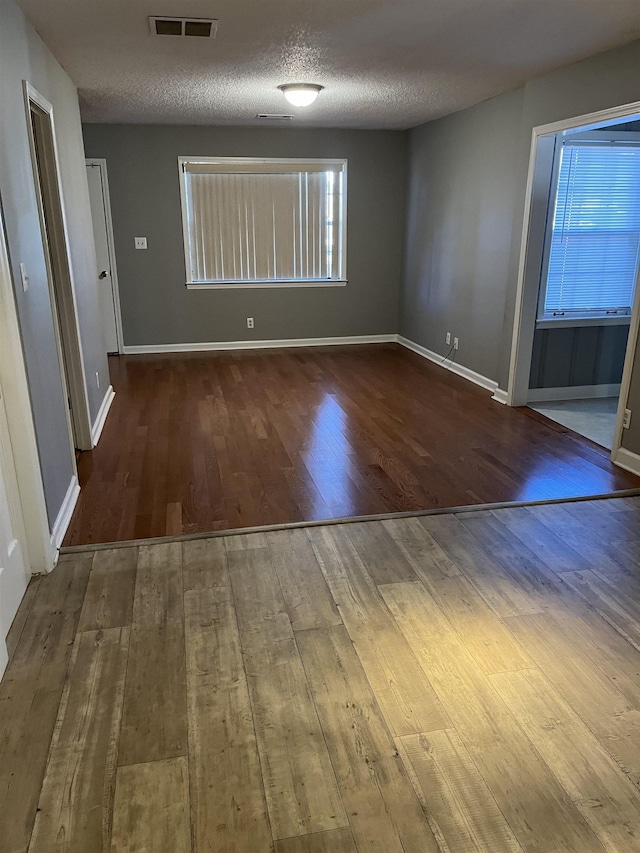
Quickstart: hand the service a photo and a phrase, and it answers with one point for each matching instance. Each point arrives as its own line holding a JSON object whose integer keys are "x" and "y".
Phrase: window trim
{"x": 257, "y": 162}
{"x": 573, "y": 319}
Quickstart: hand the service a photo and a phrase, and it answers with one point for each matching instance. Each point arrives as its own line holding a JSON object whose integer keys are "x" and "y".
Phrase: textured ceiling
{"x": 384, "y": 63}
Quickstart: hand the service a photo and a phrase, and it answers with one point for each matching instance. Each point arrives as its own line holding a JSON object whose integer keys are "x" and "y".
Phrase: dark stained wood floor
{"x": 198, "y": 443}
{"x": 461, "y": 683}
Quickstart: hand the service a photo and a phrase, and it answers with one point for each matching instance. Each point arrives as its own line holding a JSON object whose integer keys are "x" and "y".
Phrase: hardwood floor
{"x": 453, "y": 683}
{"x": 205, "y": 442}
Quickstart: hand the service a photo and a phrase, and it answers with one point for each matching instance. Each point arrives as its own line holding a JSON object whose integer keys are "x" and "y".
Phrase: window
{"x": 592, "y": 259}
{"x": 263, "y": 223}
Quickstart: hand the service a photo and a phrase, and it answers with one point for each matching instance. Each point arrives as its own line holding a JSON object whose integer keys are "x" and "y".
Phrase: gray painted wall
{"x": 23, "y": 56}
{"x": 583, "y": 355}
{"x": 463, "y": 192}
{"x": 145, "y": 200}
{"x": 468, "y": 171}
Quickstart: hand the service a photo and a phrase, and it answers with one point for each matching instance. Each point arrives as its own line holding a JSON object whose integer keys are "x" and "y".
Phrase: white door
{"x": 107, "y": 288}
{"x": 14, "y": 576}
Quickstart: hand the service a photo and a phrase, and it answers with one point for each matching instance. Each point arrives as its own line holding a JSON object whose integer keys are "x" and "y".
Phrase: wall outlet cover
{"x": 140, "y": 242}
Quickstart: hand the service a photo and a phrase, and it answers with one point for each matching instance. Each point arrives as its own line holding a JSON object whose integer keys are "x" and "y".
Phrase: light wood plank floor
{"x": 448, "y": 683}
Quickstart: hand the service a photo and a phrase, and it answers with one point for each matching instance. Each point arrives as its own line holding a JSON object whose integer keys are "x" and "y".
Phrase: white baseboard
{"x": 216, "y": 346}
{"x": 501, "y": 396}
{"x": 459, "y": 369}
{"x": 101, "y": 417}
{"x": 572, "y": 392}
{"x": 66, "y": 511}
{"x": 626, "y": 459}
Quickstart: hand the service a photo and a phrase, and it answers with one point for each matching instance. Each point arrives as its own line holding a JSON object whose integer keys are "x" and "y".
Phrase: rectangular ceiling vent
{"x": 184, "y": 27}
{"x": 274, "y": 117}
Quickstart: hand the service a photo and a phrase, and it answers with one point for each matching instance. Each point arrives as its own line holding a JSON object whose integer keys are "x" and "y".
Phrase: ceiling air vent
{"x": 274, "y": 117}
{"x": 184, "y": 27}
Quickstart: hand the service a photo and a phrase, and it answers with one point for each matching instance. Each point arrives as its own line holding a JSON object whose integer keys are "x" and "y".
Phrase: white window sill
{"x": 243, "y": 285}
{"x": 574, "y": 322}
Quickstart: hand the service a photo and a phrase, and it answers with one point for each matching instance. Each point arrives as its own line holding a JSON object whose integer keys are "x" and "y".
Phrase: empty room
{"x": 319, "y": 426}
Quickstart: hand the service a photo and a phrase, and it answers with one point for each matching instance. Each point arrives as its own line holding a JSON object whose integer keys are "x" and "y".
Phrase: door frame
{"x": 60, "y": 274}
{"x": 531, "y": 246}
{"x": 111, "y": 246}
{"x": 9, "y": 479}
{"x": 40, "y": 551}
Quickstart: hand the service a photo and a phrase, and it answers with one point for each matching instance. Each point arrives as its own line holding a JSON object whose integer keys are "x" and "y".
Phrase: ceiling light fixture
{"x": 301, "y": 94}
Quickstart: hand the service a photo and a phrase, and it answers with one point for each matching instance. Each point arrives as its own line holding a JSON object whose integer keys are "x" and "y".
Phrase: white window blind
{"x": 263, "y": 222}
{"x": 595, "y": 244}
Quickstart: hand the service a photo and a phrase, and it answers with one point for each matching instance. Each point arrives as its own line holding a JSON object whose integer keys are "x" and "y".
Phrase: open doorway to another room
{"x": 52, "y": 220}
{"x": 582, "y": 271}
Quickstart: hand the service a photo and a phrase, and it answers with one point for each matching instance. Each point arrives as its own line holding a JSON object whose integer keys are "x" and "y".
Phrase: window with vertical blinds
{"x": 263, "y": 222}
{"x": 595, "y": 242}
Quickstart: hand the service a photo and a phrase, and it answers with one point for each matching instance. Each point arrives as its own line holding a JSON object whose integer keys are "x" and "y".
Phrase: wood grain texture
{"x": 30, "y": 694}
{"x": 21, "y": 617}
{"x": 299, "y": 780}
{"x": 461, "y": 809}
{"x": 536, "y": 807}
{"x": 154, "y": 719}
{"x": 76, "y": 804}
{"x": 384, "y": 813}
{"x": 594, "y": 696}
{"x": 606, "y": 798}
{"x": 333, "y": 841}
{"x": 304, "y": 589}
{"x": 422, "y": 551}
{"x": 151, "y": 810}
{"x": 402, "y": 689}
{"x": 499, "y": 582}
{"x": 491, "y": 703}
{"x": 204, "y": 563}
{"x": 108, "y": 602}
{"x": 227, "y": 798}
{"x": 197, "y": 442}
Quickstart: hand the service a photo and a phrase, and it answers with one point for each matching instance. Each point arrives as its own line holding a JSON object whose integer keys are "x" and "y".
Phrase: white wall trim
{"x": 501, "y": 396}
{"x": 66, "y": 511}
{"x": 627, "y": 459}
{"x": 15, "y": 387}
{"x": 215, "y": 346}
{"x": 459, "y": 369}
{"x": 101, "y": 417}
{"x": 572, "y": 392}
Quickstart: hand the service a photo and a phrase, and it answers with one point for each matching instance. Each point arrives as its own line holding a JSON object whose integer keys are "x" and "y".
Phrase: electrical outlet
{"x": 97, "y": 379}
{"x": 140, "y": 242}
{"x": 448, "y": 339}
{"x": 455, "y": 343}
{"x": 249, "y": 322}
{"x": 626, "y": 420}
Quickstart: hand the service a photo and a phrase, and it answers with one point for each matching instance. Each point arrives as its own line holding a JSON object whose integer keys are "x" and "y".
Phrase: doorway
{"x": 52, "y": 222}
{"x": 108, "y": 296}
{"x": 578, "y": 277}
{"x": 588, "y": 278}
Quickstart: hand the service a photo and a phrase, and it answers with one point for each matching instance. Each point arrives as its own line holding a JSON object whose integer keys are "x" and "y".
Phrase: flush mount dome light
{"x": 301, "y": 94}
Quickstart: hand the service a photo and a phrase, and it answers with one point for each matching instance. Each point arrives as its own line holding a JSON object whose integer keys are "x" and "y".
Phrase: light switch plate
{"x": 140, "y": 242}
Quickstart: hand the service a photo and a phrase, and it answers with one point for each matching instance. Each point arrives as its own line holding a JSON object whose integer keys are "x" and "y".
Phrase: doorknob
{"x": 104, "y": 274}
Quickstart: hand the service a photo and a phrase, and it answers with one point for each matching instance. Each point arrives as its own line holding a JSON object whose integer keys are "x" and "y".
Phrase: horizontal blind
{"x": 595, "y": 245}
{"x": 256, "y": 225}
